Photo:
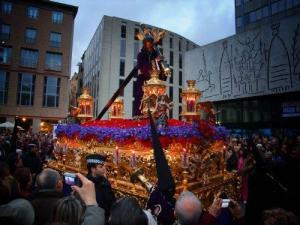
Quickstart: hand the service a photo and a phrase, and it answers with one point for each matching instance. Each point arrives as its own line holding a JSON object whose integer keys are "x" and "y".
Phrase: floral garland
{"x": 123, "y": 131}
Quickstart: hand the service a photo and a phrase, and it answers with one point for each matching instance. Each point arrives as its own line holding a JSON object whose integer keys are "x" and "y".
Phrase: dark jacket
{"x": 93, "y": 215}
{"x": 43, "y": 202}
{"x": 104, "y": 194}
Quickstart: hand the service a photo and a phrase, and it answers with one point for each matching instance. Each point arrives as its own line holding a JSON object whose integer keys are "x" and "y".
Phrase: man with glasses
{"x": 97, "y": 174}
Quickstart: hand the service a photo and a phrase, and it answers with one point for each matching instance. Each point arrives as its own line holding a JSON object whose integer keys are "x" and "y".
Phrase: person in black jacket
{"x": 97, "y": 174}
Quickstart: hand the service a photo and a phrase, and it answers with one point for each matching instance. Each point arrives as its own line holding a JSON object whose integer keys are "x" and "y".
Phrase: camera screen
{"x": 69, "y": 179}
{"x": 225, "y": 203}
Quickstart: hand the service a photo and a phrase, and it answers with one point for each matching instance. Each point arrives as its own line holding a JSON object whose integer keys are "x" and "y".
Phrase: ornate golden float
{"x": 194, "y": 149}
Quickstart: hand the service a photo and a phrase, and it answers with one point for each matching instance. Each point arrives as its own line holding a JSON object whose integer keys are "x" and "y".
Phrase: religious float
{"x": 194, "y": 148}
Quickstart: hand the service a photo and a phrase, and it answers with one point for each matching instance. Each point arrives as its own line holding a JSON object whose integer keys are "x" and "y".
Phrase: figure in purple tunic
{"x": 149, "y": 52}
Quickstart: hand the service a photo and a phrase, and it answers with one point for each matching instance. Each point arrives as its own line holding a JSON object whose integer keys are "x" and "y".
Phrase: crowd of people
{"x": 31, "y": 194}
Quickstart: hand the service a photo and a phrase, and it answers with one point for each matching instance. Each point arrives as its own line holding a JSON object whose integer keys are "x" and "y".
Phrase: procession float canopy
{"x": 193, "y": 147}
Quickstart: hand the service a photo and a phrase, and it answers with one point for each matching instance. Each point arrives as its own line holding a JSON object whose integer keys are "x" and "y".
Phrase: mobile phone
{"x": 225, "y": 203}
{"x": 71, "y": 179}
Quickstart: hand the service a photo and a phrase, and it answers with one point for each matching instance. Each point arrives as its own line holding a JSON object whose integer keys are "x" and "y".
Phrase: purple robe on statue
{"x": 144, "y": 59}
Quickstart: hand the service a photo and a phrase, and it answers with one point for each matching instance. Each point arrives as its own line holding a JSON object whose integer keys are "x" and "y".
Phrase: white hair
{"x": 188, "y": 208}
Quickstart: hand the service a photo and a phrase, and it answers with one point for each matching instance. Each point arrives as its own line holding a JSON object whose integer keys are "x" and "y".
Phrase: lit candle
{"x": 116, "y": 156}
{"x": 184, "y": 159}
{"x": 133, "y": 160}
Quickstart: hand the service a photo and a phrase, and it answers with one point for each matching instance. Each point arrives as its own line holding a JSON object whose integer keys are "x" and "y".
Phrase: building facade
{"x": 112, "y": 54}
{"x": 35, "y": 61}
{"x": 253, "y": 78}
{"x": 251, "y": 14}
{"x": 76, "y": 86}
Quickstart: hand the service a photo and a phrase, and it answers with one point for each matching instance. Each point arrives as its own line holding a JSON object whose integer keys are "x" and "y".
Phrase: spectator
{"x": 32, "y": 160}
{"x": 49, "y": 184}
{"x": 17, "y": 212}
{"x": 23, "y": 176}
{"x": 188, "y": 210}
{"x": 127, "y": 211}
{"x": 279, "y": 217}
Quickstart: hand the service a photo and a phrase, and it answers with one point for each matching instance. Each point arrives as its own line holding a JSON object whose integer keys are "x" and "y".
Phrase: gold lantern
{"x": 117, "y": 109}
{"x": 85, "y": 105}
{"x": 190, "y": 97}
{"x": 153, "y": 88}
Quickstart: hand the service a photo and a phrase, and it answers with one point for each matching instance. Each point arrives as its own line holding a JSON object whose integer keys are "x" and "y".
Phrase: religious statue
{"x": 151, "y": 38}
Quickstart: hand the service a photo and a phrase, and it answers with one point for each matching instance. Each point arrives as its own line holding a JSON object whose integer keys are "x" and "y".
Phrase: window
{"x": 171, "y": 58}
{"x": 54, "y": 61}
{"x": 123, "y": 31}
{"x": 180, "y": 77}
{"x": 179, "y": 95}
{"x": 180, "y": 111}
{"x": 32, "y": 12}
{"x": 55, "y": 39}
{"x": 180, "y": 61}
{"x": 238, "y": 2}
{"x": 26, "y": 83}
{"x": 122, "y": 67}
{"x": 171, "y": 93}
{"x": 136, "y": 31}
{"x": 5, "y": 54}
{"x": 252, "y": 16}
{"x": 179, "y": 45}
{"x": 136, "y": 49}
{"x": 120, "y": 82}
{"x": 171, "y": 42}
{"x": 6, "y": 7}
{"x": 123, "y": 48}
{"x": 187, "y": 46}
{"x": 278, "y": 7}
{"x": 161, "y": 51}
{"x": 265, "y": 11}
{"x": 4, "y": 79}
{"x": 5, "y": 32}
{"x": 30, "y": 35}
{"x": 171, "y": 77}
{"x": 57, "y": 17}
{"x": 51, "y": 91}
{"x": 29, "y": 58}
{"x": 171, "y": 113}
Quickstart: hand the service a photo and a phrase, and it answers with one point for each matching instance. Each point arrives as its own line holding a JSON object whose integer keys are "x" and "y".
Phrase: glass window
{"x": 180, "y": 61}
{"x": 289, "y": 4}
{"x": 171, "y": 58}
{"x": 278, "y": 6}
{"x": 5, "y": 31}
{"x": 179, "y": 95}
{"x": 57, "y": 17}
{"x": 5, "y": 54}
{"x": 265, "y": 11}
{"x": 179, "y": 45}
{"x": 120, "y": 82}
{"x": 30, "y": 35}
{"x": 171, "y": 42}
{"x": 187, "y": 46}
{"x": 238, "y": 2}
{"x": 6, "y": 7}
{"x": 32, "y": 12}
{"x": 136, "y": 31}
{"x": 51, "y": 91}
{"x": 252, "y": 16}
{"x": 123, "y": 31}
{"x": 123, "y": 48}
{"x": 122, "y": 67}
{"x": 54, "y": 61}
{"x": 180, "y": 77}
{"x": 4, "y": 79}
{"x": 55, "y": 39}
{"x": 171, "y": 77}
{"x": 136, "y": 49}
{"x": 258, "y": 14}
{"x": 171, "y": 93}
{"x": 29, "y": 58}
{"x": 239, "y": 21}
{"x": 26, "y": 83}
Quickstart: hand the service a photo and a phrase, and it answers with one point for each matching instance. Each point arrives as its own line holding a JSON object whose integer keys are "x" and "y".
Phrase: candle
{"x": 184, "y": 159}
{"x": 133, "y": 160}
{"x": 116, "y": 156}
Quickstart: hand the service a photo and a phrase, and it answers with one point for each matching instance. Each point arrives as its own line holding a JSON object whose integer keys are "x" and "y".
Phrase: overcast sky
{"x": 202, "y": 21}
